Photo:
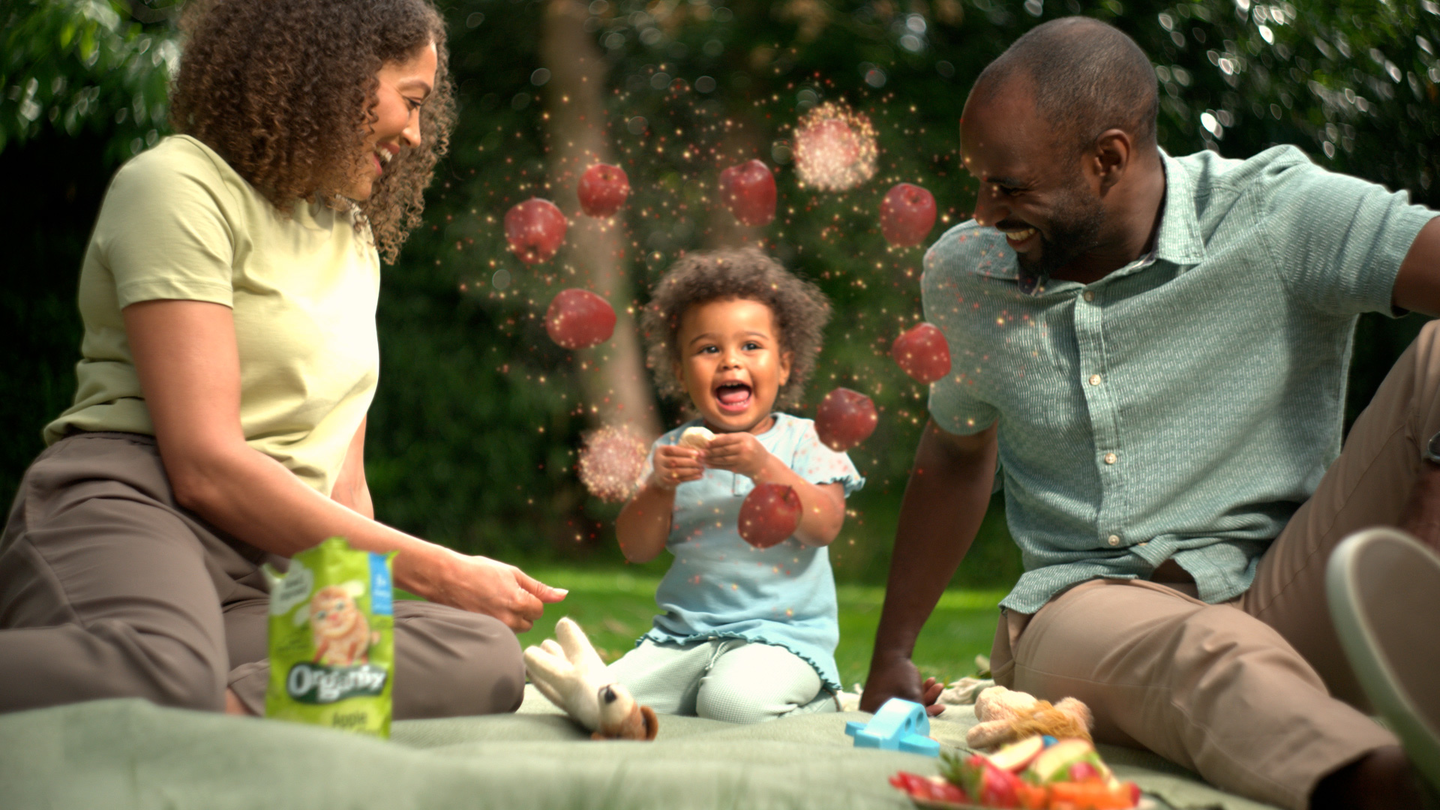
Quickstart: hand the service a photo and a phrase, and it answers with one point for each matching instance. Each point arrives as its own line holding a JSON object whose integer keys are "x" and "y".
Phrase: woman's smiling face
{"x": 731, "y": 363}
{"x": 404, "y": 86}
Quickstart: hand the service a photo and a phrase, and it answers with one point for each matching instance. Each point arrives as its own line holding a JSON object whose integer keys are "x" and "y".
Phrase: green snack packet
{"x": 332, "y": 640}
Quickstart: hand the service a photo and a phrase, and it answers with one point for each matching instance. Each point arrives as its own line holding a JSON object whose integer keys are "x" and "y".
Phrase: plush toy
{"x": 573, "y": 677}
{"x": 1007, "y": 716}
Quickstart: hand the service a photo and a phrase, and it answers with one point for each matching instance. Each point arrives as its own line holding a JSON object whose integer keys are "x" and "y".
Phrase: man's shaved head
{"x": 1086, "y": 76}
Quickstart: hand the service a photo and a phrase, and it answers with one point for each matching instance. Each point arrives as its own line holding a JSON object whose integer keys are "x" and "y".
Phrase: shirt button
{"x": 1089, "y": 295}
{"x": 1111, "y": 458}
{"x": 1114, "y": 540}
{"x": 1094, "y": 379}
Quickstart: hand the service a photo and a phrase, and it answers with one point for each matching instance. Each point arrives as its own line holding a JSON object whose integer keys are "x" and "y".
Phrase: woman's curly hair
{"x": 800, "y": 309}
{"x": 285, "y": 91}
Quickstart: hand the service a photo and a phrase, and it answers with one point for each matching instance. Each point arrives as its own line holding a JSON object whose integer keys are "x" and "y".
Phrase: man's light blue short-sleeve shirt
{"x": 719, "y": 586}
{"x": 1185, "y": 405}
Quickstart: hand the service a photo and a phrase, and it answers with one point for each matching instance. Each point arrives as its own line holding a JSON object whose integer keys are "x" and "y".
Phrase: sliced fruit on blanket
{"x": 1015, "y": 756}
{"x": 1094, "y": 795}
{"x": 1056, "y": 763}
{"x": 928, "y": 788}
{"x": 983, "y": 782}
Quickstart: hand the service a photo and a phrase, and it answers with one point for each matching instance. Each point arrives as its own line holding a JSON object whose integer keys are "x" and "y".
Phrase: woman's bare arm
{"x": 351, "y": 490}
{"x": 189, "y": 368}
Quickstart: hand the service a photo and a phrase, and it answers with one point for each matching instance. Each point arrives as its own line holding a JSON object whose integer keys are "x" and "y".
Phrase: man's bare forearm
{"x": 945, "y": 500}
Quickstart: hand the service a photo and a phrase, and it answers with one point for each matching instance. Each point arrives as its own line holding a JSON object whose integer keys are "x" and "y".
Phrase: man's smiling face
{"x": 1032, "y": 187}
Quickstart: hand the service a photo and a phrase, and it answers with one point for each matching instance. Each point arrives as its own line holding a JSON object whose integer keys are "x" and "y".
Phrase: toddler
{"x": 747, "y": 634}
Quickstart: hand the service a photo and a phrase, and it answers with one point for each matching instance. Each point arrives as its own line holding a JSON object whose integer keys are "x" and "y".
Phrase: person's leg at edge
{"x": 1206, "y": 686}
{"x": 104, "y": 592}
{"x": 753, "y": 683}
{"x": 1370, "y": 484}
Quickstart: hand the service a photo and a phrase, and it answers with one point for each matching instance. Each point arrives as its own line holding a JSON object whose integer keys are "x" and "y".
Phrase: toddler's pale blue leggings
{"x": 722, "y": 679}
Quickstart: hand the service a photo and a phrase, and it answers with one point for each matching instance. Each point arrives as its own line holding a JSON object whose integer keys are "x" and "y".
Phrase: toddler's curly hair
{"x": 800, "y": 310}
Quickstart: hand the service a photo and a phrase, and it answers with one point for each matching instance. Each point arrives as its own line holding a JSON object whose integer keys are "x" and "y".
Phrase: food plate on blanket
{"x": 1037, "y": 773}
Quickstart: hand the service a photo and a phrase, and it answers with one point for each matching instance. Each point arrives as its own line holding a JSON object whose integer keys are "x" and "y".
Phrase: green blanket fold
{"x": 130, "y": 754}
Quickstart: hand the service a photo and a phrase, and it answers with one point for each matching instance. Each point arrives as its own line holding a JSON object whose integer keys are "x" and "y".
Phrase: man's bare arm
{"x": 945, "y": 500}
{"x": 1417, "y": 285}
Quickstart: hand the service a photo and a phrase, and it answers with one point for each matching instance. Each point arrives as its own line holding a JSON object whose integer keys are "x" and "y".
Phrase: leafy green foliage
{"x": 85, "y": 65}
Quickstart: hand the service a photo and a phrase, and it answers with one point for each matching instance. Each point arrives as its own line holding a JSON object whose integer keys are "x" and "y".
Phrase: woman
{"x": 229, "y": 357}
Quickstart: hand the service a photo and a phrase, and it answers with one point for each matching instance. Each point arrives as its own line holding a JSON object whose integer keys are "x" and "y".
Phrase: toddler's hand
{"x": 737, "y": 452}
{"x": 674, "y": 466}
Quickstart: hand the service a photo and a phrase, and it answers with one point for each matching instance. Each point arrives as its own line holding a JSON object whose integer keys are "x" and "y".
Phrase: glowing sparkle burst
{"x": 611, "y": 460}
{"x": 834, "y": 148}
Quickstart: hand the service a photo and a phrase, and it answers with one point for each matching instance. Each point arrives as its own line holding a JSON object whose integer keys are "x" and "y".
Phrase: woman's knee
{"x": 453, "y": 663}
{"x": 165, "y": 671}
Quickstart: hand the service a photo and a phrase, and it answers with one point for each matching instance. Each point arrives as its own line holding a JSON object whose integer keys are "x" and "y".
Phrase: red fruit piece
{"x": 923, "y": 353}
{"x": 928, "y": 789}
{"x": 603, "y": 189}
{"x": 748, "y": 190}
{"x": 845, "y": 419}
{"x": 579, "y": 319}
{"x": 906, "y": 215}
{"x": 769, "y": 515}
{"x": 534, "y": 228}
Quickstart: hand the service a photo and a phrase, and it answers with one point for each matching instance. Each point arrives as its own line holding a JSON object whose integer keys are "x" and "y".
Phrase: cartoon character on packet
{"x": 342, "y": 636}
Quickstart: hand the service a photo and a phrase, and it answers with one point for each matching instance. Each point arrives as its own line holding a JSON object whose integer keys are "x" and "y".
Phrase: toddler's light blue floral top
{"x": 719, "y": 586}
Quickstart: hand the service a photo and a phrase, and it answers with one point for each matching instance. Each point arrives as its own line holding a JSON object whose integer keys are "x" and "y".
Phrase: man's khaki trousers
{"x": 109, "y": 589}
{"x": 1255, "y": 694}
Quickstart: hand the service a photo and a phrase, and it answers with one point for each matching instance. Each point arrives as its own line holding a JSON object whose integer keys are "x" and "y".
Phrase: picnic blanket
{"x": 125, "y": 754}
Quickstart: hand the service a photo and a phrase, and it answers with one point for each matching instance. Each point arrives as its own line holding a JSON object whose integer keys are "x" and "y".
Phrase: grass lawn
{"x": 615, "y": 605}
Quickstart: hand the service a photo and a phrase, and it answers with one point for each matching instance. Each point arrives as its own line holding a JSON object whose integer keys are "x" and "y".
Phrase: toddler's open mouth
{"x": 732, "y": 397}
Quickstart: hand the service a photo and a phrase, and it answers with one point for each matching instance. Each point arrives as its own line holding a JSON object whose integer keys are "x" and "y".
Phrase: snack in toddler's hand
{"x": 332, "y": 640}
{"x": 696, "y": 437}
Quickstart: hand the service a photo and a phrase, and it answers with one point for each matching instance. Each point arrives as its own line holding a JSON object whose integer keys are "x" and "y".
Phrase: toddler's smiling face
{"x": 732, "y": 365}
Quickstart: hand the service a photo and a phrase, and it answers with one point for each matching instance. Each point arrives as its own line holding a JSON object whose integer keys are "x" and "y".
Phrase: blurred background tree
{"x": 473, "y": 434}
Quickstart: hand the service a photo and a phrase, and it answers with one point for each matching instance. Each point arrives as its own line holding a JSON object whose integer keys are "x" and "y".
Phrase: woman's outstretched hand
{"x": 482, "y": 585}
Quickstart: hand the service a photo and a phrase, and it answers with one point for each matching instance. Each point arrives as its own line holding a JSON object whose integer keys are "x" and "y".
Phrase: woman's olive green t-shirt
{"x": 179, "y": 223}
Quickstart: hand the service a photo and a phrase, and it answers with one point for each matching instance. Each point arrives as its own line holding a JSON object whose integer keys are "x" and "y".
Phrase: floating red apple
{"x": 579, "y": 319}
{"x": 603, "y": 189}
{"x": 769, "y": 515}
{"x": 906, "y": 215}
{"x": 748, "y": 190}
{"x": 845, "y": 419}
{"x": 923, "y": 353}
{"x": 534, "y": 228}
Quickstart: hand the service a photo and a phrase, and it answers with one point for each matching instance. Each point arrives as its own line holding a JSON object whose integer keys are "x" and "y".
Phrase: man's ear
{"x": 1108, "y": 158}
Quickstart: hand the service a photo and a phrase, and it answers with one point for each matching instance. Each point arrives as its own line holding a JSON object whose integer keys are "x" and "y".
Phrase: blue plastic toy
{"x": 900, "y": 725}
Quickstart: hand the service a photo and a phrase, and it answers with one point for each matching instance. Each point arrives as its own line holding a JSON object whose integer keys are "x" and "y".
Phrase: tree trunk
{"x": 613, "y": 375}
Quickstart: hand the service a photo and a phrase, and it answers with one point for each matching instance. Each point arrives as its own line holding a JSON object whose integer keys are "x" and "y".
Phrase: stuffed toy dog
{"x": 571, "y": 674}
{"x": 1007, "y": 716}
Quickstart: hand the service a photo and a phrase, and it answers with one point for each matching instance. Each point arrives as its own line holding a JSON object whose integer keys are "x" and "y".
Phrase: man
{"x": 1155, "y": 350}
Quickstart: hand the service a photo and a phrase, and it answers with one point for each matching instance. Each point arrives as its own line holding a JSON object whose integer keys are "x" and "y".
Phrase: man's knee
{"x": 1223, "y": 647}
{"x": 454, "y": 663}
